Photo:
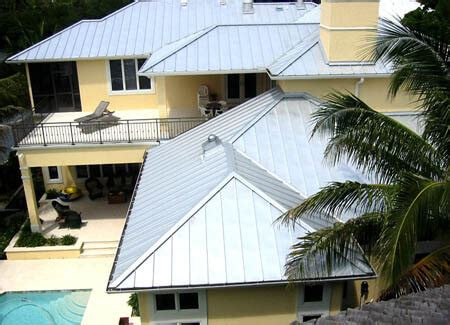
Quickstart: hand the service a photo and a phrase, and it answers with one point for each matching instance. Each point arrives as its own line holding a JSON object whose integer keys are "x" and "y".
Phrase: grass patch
{"x": 35, "y": 239}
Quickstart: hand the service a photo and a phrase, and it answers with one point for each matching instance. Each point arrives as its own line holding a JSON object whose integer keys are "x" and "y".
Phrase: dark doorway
{"x": 55, "y": 87}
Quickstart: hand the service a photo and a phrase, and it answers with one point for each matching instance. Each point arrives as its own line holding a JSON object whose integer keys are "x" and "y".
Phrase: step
{"x": 100, "y": 244}
{"x": 105, "y": 252}
{"x": 63, "y": 313}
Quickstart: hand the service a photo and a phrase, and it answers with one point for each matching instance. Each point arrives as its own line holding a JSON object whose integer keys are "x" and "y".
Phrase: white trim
{"x": 46, "y": 174}
{"x": 313, "y": 308}
{"x": 125, "y": 92}
{"x": 180, "y": 315}
{"x": 349, "y": 28}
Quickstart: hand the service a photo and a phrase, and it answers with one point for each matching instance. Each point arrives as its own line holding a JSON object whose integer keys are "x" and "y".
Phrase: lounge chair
{"x": 72, "y": 219}
{"x": 100, "y": 111}
{"x": 60, "y": 209}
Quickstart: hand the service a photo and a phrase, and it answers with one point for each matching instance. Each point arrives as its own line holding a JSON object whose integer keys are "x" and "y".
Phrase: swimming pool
{"x": 43, "y": 307}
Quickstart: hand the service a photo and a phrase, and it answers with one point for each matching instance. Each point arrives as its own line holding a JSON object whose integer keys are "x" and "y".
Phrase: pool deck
{"x": 71, "y": 274}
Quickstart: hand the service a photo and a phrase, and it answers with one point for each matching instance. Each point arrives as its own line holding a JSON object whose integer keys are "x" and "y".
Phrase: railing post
{"x": 71, "y": 133}
{"x": 128, "y": 131}
{"x": 43, "y": 135}
{"x": 158, "y": 130}
{"x": 99, "y": 132}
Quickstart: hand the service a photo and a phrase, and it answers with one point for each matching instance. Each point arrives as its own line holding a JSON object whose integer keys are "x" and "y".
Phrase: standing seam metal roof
{"x": 179, "y": 181}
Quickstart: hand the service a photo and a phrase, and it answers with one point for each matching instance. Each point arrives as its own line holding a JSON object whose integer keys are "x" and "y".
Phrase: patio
{"x": 102, "y": 222}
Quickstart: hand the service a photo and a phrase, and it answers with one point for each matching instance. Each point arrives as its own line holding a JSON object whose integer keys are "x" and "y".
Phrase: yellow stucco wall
{"x": 374, "y": 91}
{"x": 257, "y": 305}
{"x": 94, "y": 87}
{"x": 336, "y": 297}
{"x": 344, "y": 36}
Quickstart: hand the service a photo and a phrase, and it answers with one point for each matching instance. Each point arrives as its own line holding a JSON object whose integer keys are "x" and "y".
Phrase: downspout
{"x": 358, "y": 86}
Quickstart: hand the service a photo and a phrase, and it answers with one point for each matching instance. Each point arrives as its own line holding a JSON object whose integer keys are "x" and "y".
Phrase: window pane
{"x": 250, "y": 85}
{"x": 165, "y": 302}
{"x": 115, "y": 68}
{"x": 82, "y": 171}
{"x": 144, "y": 82}
{"x": 130, "y": 74}
{"x": 233, "y": 86}
{"x": 192, "y": 323}
{"x": 53, "y": 172}
{"x": 313, "y": 293}
{"x": 189, "y": 300}
{"x": 94, "y": 171}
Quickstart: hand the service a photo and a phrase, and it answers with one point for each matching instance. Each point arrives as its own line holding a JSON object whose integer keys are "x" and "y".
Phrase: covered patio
{"x": 101, "y": 221}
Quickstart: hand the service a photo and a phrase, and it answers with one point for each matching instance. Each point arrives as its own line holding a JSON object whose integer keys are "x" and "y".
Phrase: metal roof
{"x": 282, "y": 50}
{"x": 181, "y": 185}
{"x": 227, "y": 48}
{"x": 140, "y": 28}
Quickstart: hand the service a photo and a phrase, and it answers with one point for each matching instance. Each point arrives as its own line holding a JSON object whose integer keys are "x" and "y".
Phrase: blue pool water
{"x": 43, "y": 307}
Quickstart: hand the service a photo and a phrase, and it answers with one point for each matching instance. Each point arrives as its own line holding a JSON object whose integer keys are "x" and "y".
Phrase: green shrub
{"x": 53, "y": 241}
{"x": 68, "y": 240}
{"x": 52, "y": 194}
{"x": 133, "y": 302}
{"x": 31, "y": 239}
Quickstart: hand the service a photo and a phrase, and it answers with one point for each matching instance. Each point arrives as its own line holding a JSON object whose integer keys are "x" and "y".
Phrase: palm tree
{"x": 409, "y": 199}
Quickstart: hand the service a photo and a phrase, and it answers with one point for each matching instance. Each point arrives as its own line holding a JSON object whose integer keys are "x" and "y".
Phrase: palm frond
{"x": 319, "y": 253}
{"x": 338, "y": 199}
{"x": 377, "y": 144}
{"x": 417, "y": 200}
{"x": 431, "y": 271}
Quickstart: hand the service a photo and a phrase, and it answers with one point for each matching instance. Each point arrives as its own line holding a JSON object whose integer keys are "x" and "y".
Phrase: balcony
{"x": 61, "y": 129}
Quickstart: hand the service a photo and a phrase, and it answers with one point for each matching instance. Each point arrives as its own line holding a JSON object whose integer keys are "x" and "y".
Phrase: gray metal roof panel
{"x": 178, "y": 180}
{"x": 142, "y": 27}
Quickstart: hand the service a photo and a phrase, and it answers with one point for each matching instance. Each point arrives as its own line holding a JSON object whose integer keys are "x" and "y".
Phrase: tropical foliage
{"x": 401, "y": 216}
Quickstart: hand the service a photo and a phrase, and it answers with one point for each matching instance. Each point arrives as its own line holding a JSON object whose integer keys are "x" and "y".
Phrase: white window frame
{"x": 49, "y": 180}
{"x": 178, "y": 315}
{"x": 138, "y": 91}
{"x": 315, "y": 307}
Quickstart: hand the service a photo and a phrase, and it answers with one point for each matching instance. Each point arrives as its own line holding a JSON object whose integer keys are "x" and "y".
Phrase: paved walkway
{"x": 87, "y": 273}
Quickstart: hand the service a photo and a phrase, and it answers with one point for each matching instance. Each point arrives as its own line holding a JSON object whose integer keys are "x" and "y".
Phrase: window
{"x": 241, "y": 86}
{"x": 165, "y": 302}
{"x": 313, "y": 293}
{"x": 52, "y": 174}
{"x": 314, "y": 301}
{"x": 183, "y": 308}
{"x": 124, "y": 78}
{"x": 99, "y": 171}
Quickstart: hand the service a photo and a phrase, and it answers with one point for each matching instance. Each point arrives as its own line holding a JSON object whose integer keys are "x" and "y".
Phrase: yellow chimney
{"x": 345, "y": 26}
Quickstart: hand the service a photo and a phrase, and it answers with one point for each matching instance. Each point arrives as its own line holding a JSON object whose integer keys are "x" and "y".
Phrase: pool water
{"x": 43, "y": 307}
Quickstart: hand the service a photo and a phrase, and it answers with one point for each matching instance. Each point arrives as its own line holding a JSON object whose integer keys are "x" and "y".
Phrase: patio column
{"x": 30, "y": 196}
{"x": 68, "y": 176}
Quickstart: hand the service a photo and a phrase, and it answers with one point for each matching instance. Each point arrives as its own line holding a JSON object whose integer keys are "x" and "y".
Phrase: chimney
{"x": 345, "y": 26}
{"x": 300, "y": 5}
{"x": 183, "y": 3}
{"x": 247, "y": 6}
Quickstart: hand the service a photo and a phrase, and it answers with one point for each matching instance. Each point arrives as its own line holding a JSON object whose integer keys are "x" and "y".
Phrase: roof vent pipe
{"x": 247, "y": 6}
{"x": 223, "y": 2}
{"x": 183, "y": 3}
{"x": 300, "y": 4}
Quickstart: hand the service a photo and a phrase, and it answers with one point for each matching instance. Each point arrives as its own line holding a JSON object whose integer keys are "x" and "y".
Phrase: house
{"x": 199, "y": 242}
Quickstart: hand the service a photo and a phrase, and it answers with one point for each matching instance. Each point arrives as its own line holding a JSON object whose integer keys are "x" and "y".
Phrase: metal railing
{"x": 122, "y": 131}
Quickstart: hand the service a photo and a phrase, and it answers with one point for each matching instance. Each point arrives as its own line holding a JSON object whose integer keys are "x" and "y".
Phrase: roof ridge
{"x": 80, "y": 22}
{"x": 305, "y": 45}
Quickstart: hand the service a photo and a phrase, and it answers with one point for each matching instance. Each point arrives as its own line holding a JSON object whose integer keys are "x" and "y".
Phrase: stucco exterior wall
{"x": 94, "y": 87}
{"x": 258, "y": 305}
{"x": 374, "y": 91}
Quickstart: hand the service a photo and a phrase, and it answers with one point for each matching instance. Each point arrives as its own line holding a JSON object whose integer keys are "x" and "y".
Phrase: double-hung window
{"x": 314, "y": 301}
{"x": 124, "y": 78}
{"x": 180, "y": 308}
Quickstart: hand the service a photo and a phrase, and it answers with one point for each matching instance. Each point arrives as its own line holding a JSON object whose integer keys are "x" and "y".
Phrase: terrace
{"x": 62, "y": 129}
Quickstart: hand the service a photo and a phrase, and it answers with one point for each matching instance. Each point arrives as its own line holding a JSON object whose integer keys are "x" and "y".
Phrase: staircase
{"x": 70, "y": 308}
{"x": 93, "y": 249}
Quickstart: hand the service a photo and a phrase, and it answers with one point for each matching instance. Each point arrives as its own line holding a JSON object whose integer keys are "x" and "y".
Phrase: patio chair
{"x": 72, "y": 219}
{"x": 94, "y": 188}
{"x": 60, "y": 209}
{"x": 100, "y": 111}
